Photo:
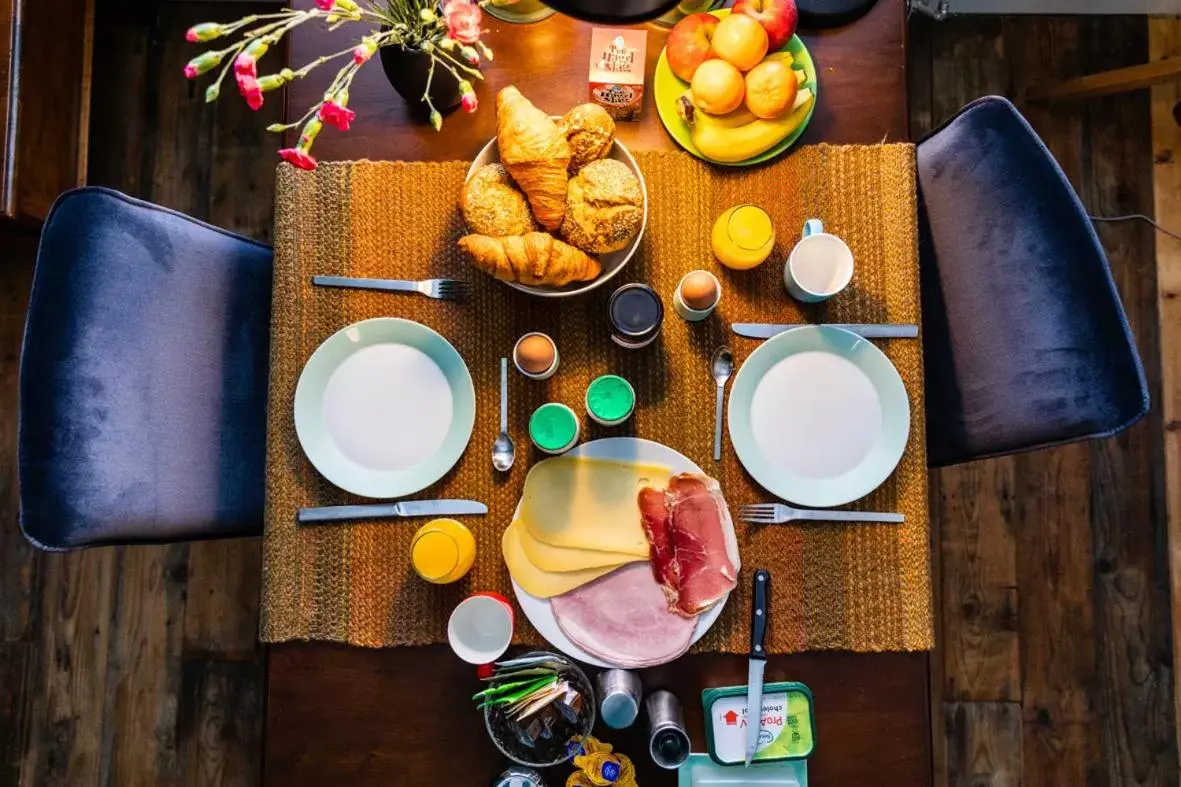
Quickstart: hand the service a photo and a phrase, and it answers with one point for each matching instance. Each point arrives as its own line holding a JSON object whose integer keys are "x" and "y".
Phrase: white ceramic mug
{"x": 481, "y": 628}
{"x": 820, "y": 266}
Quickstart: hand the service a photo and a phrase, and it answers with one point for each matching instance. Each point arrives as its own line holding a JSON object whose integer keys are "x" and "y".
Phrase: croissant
{"x": 532, "y": 258}
{"x": 535, "y": 152}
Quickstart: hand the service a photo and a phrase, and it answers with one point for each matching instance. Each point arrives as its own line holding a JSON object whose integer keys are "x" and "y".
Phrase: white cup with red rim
{"x": 481, "y": 627}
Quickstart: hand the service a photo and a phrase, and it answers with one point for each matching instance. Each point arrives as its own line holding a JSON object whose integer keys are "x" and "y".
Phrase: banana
{"x": 688, "y": 112}
{"x": 785, "y": 56}
{"x": 731, "y": 144}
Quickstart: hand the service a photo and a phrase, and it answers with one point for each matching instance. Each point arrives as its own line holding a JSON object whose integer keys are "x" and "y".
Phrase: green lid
{"x": 788, "y": 724}
{"x": 610, "y": 399}
{"x": 553, "y": 427}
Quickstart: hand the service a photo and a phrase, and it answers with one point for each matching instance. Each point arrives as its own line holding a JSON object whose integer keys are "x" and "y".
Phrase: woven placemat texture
{"x": 857, "y": 587}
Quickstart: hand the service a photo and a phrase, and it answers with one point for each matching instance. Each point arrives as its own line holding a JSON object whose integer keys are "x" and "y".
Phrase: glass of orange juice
{"x": 743, "y": 237}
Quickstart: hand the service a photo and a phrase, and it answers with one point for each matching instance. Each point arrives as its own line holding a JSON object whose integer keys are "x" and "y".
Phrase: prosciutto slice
{"x": 623, "y": 619}
{"x": 687, "y": 542}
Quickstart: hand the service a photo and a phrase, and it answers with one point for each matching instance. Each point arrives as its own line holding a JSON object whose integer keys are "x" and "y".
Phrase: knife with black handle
{"x": 760, "y": 613}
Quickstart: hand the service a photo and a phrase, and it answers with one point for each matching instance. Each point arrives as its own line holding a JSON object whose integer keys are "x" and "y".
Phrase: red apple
{"x": 778, "y": 18}
{"x": 689, "y": 44}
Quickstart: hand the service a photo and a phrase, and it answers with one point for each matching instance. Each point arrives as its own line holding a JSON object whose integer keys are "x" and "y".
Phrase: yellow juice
{"x": 443, "y": 551}
{"x": 743, "y": 237}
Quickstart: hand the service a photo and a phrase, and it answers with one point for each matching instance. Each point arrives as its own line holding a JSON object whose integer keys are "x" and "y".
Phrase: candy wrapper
{"x": 599, "y": 766}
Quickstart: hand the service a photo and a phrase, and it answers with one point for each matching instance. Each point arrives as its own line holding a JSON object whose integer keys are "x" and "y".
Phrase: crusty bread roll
{"x": 604, "y": 207}
{"x": 590, "y": 132}
{"x": 493, "y": 205}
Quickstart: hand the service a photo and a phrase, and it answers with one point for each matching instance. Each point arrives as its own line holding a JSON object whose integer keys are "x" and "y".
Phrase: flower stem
{"x": 305, "y": 70}
{"x": 344, "y": 76}
{"x": 467, "y": 69}
{"x": 430, "y": 75}
{"x": 229, "y": 62}
{"x": 276, "y": 128}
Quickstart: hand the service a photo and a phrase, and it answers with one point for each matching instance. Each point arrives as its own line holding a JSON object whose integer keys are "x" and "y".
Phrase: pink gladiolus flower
{"x": 337, "y": 116}
{"x": 463, "y": 21}
{"x": 469, "y": 102}
{"x": 299, "y": 158}
{"x": 324, "y": 5}
{"x": 191, "y": 71}
{"x": 250, "y": 90}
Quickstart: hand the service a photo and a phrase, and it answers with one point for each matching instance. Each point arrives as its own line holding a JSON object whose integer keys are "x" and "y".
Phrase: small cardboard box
{"x": 617, "y": 71}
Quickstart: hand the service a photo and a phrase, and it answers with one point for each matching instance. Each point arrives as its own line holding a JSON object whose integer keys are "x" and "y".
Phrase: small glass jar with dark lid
{"x": 637, "y": 314}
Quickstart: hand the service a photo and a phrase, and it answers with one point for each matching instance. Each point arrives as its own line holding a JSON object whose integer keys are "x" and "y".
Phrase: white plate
{"x": 384, "y": 407}
{"x": 627, "y": 449}
{"x": 819, "y": 416}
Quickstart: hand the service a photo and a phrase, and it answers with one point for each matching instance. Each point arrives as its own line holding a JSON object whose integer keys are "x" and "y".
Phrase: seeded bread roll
{"x": 604, "y": 207}
{"x": 590, "y": 132}
{"x": 493, "y": 205}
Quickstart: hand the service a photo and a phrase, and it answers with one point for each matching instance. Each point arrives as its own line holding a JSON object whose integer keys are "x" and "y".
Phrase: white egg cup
{"x": 548, "y": 373}
{"x": 689, "y": 314}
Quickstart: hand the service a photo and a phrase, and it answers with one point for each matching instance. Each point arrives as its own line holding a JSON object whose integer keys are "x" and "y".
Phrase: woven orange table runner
{"x": 858, "y": 587}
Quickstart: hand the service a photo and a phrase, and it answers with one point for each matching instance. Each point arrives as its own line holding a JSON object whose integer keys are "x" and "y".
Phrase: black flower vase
{"x": 407, "y": 71}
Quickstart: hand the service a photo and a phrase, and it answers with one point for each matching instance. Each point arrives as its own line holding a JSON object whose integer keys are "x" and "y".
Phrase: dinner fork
{"x": 440, "y": 289}
{"x": 778, "y": 513}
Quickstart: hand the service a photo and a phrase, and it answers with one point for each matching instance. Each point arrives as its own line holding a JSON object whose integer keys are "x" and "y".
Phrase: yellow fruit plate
{"x": 667, "y": 88}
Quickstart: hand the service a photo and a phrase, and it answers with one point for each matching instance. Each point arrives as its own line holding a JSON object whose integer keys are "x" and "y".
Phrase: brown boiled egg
{"x": 535, "y": 353}
{"x": 699, "y": 290}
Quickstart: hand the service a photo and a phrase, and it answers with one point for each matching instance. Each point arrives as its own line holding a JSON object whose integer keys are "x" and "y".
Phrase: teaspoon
{"x": 721, "y": 366}
{"x": 503, "y": 450}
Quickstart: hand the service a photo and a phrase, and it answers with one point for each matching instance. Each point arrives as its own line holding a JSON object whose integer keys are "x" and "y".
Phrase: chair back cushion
{"x": 143, "y": 377}
{"x": 1025, "y": 341}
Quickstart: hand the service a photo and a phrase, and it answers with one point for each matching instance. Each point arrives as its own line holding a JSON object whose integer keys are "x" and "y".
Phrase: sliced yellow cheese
{"x": 548, "y": 557}
{"x": 533, "y": 580}
{"x": 589, "y": 503}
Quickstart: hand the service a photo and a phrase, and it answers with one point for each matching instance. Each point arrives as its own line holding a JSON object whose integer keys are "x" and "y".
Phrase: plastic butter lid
{"x": 434, "y": 555}
{"x": 553, "y": 427}
{"x": 787, "y": 728}
{"x": 610, "y": 399}
{"x": 700, "y": 771}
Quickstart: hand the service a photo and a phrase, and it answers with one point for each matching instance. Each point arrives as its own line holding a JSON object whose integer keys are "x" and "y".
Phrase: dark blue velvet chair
{"x": 1025, "y": 342}
{"x": 143, "y": 377}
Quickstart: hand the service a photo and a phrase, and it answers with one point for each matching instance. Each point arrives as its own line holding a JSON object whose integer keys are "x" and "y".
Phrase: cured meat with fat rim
{"x": 654, "y": 514}
{"x": 623, "y": 618}
{"x": 690, "y": 542}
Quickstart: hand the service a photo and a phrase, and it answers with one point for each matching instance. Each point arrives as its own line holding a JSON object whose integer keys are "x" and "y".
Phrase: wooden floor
{"x": 140, "y": 666}
{"x": 1055, "y": 663}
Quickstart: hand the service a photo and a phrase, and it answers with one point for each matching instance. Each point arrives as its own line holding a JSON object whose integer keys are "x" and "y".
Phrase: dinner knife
{"x": 406, "y": 508}
{"x": 759, "y": 614}
{"x": 758, "y": 330}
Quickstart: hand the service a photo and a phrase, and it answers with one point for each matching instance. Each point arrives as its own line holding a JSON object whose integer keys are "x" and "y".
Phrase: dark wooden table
{"x": 341, "y": 715}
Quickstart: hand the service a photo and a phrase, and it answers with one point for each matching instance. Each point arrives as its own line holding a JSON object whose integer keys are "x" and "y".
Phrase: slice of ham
{"x": 687, "y": 542}
{"x": 654, "y": 515}
{"x": 623, "y": 619}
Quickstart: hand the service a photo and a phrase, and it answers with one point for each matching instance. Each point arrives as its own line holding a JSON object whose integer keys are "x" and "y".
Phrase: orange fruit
{"x": 717, "y": 87}
{"x": 741, "y": 41}
{"x": 771, "y": 89}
